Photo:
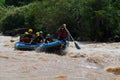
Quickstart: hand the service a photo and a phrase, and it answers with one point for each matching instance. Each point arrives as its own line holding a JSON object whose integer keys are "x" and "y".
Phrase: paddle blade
{"x": 76, "y": 45}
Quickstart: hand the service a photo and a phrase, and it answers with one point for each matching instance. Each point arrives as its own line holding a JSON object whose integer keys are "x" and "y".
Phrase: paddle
{"x": 76, "y": 45}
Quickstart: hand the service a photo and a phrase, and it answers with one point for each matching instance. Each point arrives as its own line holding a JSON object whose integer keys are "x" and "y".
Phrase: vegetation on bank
{"x": 94, "y": 20}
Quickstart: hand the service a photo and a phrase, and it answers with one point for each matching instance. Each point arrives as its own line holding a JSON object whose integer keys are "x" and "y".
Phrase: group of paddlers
{"x": 29, "y": 37}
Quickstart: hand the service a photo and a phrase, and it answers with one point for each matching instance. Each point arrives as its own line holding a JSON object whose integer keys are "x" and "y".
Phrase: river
{"x": 94, "y": 61}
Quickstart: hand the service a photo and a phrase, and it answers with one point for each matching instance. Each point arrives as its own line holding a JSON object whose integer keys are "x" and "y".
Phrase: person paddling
{"x": 38, "y": 38}
{"x": 23, "y": 38}
{"x": 62, "y": 34}
{"x": 48, "y": 38}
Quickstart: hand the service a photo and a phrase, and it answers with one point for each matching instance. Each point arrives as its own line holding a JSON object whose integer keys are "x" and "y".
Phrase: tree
{"x": 13, "y": 21}
{"x": 18, "y": 2}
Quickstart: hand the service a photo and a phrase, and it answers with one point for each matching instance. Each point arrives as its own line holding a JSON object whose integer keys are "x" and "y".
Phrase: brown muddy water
{"x": 95, "y": 61}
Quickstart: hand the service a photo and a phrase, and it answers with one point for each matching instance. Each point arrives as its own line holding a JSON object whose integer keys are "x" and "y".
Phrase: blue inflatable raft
{"x": 46, "y": 47}
{"x": 26, "y": 46}
{"x": 51, "y": 47}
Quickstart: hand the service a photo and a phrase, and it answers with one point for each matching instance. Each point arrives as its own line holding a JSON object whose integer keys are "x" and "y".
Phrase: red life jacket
{"x": 63, "y": 33}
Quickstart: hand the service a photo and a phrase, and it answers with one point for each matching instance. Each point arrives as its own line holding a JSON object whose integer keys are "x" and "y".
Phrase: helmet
{"x": 64, "y": 25}
{"x": 48, "y": 34}
{"x": 37, "y": 33}
{"x": 41, "y": 32}
{"x": 26, "y": 32}
{"x": 30, "y": 30}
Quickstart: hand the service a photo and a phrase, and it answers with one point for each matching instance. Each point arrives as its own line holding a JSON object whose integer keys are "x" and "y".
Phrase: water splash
{"x": 91, "y": 62}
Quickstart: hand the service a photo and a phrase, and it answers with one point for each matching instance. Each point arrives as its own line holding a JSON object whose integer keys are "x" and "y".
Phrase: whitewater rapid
{"x": 94, "y": 61}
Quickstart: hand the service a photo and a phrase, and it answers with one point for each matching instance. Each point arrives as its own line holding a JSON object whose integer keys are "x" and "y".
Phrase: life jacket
{"x": 26, "y": 38}
{"x": 48, "y": 39}
{"x": 63, "y": 33}
{"x": 38, "y": 39}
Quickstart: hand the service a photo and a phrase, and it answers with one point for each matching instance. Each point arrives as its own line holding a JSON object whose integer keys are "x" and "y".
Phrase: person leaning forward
{"x": 30, "y": 34}
{"x": 38, "y": 38}
{"x": 48, "y": 38}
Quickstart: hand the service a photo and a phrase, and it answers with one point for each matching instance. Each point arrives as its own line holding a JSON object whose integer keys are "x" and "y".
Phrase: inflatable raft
{"x": 46, "y": 47}
{"x": 51, "y": 47}
{"x": 25, "y": 46}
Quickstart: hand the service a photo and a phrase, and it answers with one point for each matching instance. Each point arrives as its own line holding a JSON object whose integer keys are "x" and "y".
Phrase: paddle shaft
{"x": 76, "y": 45}
{"x": 69, "y": 34}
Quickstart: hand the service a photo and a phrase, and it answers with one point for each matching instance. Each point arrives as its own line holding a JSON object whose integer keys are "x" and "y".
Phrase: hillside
{"x": 89, "y": 20}
{"x": 2, "y": 3}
